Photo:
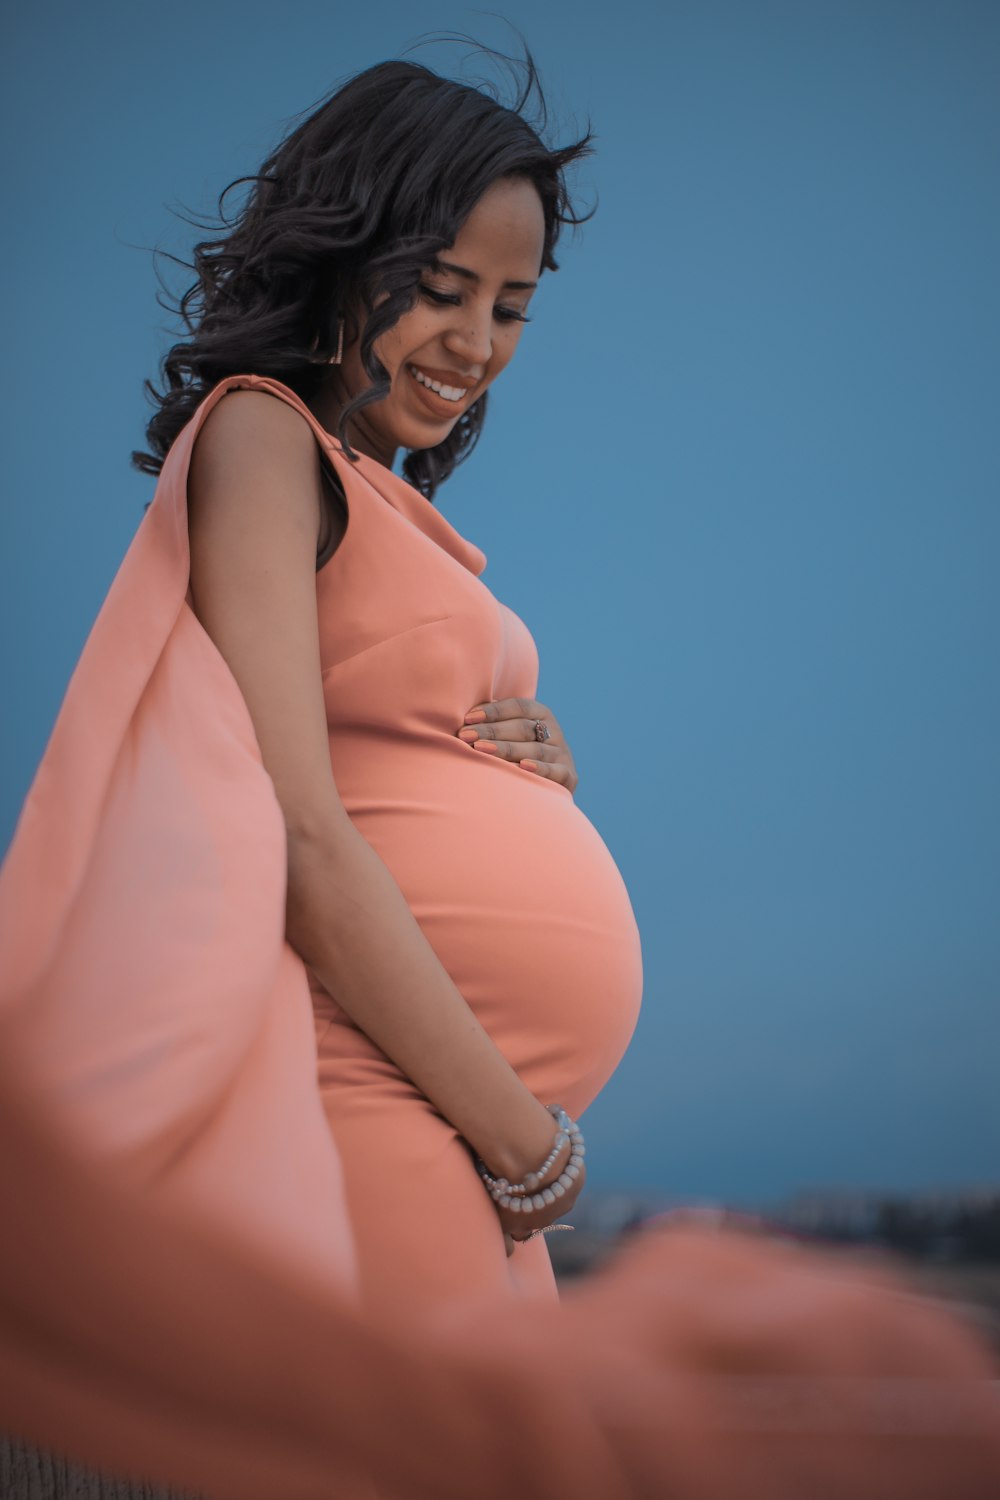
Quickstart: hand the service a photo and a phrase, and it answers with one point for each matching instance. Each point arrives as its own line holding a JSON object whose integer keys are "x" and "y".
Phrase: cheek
{"x": 414, "y": 329}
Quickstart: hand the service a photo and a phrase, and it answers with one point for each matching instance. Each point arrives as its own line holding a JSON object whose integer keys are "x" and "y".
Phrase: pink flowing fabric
{"x": 145, "y": 967}
{"x": 178, "y": 1274}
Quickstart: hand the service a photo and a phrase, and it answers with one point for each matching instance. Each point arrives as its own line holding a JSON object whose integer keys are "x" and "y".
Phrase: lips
{"x": 456, "y": 386}
{"x": 447, "y": 377}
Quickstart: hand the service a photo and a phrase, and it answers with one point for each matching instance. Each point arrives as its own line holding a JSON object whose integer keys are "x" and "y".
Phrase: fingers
{"x": 511, "y": 719}
{"x": 506, "y": 728}
{"x": 514, "y": 739}
{"x": 519, "y": 1225}
{"x": 518, "y": 1222}
{"x": 506, "y": 708}
{"x": 519, "y": 731}
{"x": 555, "y": 770}
{"x": 546, "y": 758}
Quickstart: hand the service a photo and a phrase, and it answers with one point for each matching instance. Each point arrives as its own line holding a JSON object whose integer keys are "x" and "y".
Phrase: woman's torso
{"x": 511, "y": 883}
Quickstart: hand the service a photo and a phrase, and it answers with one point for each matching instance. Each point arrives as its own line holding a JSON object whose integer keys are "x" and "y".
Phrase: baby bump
{"x": 521, "y": 900}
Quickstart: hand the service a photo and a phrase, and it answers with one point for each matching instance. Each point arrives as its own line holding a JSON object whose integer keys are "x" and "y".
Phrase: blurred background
{"x": 741, "y": 482}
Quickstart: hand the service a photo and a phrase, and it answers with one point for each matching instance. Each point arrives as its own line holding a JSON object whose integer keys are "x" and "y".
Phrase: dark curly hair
{"x": 348, "y": 210}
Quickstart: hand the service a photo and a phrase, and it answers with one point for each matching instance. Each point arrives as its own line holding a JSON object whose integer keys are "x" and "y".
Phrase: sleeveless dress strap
{"x": 331, "y": 450}
{"x": 329, "y": 445}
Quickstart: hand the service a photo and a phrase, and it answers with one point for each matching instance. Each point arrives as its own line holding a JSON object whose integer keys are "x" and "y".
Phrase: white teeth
{"x": 449, "y": 392}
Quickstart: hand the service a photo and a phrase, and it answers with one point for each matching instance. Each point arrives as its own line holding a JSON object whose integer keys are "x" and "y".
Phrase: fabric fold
{"x": 146, "y": 975}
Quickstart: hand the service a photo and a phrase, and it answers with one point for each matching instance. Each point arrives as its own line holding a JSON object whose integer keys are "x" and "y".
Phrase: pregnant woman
{"x": 303, "y": 929}
{"x": 291, "y": 955}
{"x": 294, "y": 958}
{"x": 471, "y": 950}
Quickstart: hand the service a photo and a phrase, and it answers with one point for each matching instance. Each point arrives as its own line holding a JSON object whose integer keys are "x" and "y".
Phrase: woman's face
{"x": 461, "y": 332}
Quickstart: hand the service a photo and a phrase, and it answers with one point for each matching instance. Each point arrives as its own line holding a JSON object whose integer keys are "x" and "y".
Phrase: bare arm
{"x": 349, "y": 920}
{"x": 254, "y": 499}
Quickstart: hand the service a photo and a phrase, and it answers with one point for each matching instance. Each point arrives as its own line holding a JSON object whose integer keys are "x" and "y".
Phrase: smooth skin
{"x": 256, "y": 515}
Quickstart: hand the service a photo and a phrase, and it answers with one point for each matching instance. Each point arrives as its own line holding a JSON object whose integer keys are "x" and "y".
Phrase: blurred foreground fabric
{"x": 694, "y": 1364}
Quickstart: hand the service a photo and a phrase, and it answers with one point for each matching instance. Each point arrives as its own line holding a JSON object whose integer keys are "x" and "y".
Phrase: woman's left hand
{"x": 506, "y": 727}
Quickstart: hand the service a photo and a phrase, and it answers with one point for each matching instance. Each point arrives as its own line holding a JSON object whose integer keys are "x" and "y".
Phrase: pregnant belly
{"x": 524, "y": 905}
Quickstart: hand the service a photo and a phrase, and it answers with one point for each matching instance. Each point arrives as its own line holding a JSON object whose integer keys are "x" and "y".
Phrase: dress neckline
{"x": 416, "y": 508}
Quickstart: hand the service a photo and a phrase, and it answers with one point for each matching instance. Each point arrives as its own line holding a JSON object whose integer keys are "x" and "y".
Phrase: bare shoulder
{"x": 242, "y": 412}
{"x": 258, "y": 451}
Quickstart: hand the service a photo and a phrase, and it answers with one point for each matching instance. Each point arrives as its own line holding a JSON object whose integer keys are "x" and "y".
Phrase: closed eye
{"x": 452, "y": 299}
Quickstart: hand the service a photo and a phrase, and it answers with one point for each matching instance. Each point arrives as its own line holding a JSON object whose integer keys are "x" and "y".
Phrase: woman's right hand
{"x": 534, "y": 1139}
{"x": 519, "y": 1225}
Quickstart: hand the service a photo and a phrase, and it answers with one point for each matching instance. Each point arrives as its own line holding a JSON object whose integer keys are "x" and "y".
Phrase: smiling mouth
{"x": 452, "y": 394}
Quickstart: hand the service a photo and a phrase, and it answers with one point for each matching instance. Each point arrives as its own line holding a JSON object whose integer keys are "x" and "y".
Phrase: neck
{"x": 327, "y": 406}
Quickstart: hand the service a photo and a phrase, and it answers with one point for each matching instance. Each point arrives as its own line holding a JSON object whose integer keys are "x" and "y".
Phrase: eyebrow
{"x": 516, "y": 286}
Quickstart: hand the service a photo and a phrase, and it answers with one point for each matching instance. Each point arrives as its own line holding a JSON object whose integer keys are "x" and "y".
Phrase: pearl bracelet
{"x": 522, "y": 1197}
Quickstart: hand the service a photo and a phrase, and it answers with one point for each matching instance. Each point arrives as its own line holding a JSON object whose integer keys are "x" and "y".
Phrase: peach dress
{"x": 180, "y": 1047}
{"x": 512, "y": 885}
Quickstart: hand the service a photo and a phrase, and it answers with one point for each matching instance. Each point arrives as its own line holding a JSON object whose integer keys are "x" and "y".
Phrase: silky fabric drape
{"x": 145, "y": 967}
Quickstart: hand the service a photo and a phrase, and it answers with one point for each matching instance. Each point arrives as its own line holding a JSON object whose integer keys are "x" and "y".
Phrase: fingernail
{"x": 476, "y": 716}
{"x": 486, "y": 745}
{"x": 529, "y": 765}
{"x": 467, "y": 734}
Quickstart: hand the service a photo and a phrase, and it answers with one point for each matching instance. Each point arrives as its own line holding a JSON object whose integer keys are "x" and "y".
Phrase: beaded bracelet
{"x": 522, "y": 1197}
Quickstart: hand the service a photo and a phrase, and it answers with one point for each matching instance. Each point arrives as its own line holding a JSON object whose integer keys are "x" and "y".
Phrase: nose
{"x": 470, "y": 335}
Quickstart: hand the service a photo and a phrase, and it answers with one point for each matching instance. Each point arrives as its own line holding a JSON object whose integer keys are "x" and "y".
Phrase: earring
{"x": 336, "y": 358}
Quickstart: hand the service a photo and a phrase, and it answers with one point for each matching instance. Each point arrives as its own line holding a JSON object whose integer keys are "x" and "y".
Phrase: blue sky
{"x": 742, "y": 482}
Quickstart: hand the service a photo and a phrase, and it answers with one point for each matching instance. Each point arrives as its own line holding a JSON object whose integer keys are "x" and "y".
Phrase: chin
{"x": 401, "y": 427}
{"x": 417, "y": 435}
